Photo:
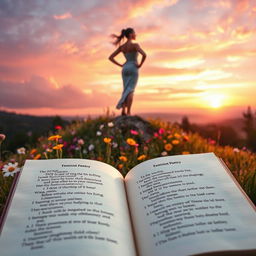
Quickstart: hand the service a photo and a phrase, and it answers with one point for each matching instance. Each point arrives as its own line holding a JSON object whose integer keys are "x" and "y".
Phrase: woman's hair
{"x": 124, "y": 33}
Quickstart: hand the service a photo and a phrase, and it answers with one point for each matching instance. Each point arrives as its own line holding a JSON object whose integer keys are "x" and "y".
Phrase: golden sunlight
{"x": 215, "y": 100}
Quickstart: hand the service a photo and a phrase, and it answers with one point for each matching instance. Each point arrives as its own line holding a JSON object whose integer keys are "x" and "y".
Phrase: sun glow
{"x": 215, "y": 100}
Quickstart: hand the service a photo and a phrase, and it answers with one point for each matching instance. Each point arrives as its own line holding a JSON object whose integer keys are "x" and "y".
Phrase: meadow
{"x": 101, "y": 139}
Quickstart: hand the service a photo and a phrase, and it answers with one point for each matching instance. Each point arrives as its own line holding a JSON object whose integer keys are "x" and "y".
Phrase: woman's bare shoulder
{"x": 128, "y": 47}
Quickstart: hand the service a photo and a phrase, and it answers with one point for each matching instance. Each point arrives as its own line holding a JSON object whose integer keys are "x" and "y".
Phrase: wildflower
{"x": 107, "y": 140}
{"x": 236, "y": 150}
{"x": 170, "y": 136}
{"x": 73, "y": 132}
{"x": 177, "y": 135}
{"x": 175, "y": 142}
{"x": 59, "y": 146}
{"x": 141, "y": 157}
{"x": 98, "y": 133}
{"x": 155, "y": 134}
{"x": 185, "y": 153}
{"x": 164, "y": 153}
{"x": 37, "y": 156}
{"x": 110, "y": 124}
{"x": 58, "y": 127}
{"x": 185, "y": 137}
{"x": 33, "y": 151}
{"x": 120, "y": 166}
{"x": 114, "y": 144}
{"x": 123, "y": 158}
{"x": 21, "y": 150}
{"x": 101, "y": 126}
{"x": 80, "y": 142}
{"x": 168, "y": 147}
{"x": 54, "y": 137}
{"x": 91, "y": 147}
{"x": 131, "y": 142}
{"x": 10, "y": 168}
{"x": 212, "y": 142}
{"x": 48, "y": 150}
{"x": 161, "y": 131}
{"x": 2, "y": 137}
{"x": 134, "y": 132}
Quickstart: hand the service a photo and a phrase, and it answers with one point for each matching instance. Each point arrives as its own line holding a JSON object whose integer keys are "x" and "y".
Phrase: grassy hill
{"x": 125, "y": 143}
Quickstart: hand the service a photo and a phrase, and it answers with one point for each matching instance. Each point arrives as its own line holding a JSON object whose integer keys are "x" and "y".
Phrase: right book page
{"x": 188, "y": 204}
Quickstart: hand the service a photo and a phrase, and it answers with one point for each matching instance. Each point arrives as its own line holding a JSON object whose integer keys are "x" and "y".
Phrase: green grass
{"x": 168, "y": 138}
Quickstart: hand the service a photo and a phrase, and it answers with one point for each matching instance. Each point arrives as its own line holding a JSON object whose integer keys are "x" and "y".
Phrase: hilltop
{"x": 125, "y": 141}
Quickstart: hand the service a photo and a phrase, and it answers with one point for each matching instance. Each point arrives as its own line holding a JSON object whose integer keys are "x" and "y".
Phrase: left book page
{"x": 68, "y": 207}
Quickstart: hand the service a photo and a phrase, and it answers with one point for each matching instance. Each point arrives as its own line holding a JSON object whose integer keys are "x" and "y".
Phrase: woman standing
{"x": 130, "y": 68}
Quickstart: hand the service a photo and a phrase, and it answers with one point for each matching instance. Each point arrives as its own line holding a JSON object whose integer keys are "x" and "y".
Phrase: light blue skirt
{"x": 130, "y": 74}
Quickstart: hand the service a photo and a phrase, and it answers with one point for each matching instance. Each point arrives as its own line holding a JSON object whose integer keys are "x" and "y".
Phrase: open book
{"x": 174, "y": 205}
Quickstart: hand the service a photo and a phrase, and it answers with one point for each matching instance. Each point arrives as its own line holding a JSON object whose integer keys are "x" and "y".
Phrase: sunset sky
{"x": 54, "y": 55}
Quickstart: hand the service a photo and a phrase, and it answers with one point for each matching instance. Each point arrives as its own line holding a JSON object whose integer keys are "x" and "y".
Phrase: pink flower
{"x": 155, "y": 134}
{"x": 134, "y": 132}
{"x": 212, "y": 142}
{"x": 161, "y": 131}
{"x": 58, "y": 127}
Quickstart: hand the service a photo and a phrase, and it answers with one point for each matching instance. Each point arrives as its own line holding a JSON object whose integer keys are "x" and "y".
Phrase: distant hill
{"x": 21, "y": 129}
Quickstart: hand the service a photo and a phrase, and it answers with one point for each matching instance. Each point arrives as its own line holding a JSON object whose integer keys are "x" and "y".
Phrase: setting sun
{"x": 215, "y": 100}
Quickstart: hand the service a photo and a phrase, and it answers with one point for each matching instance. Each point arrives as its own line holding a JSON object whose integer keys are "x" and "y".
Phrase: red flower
{"x": 58, "y": 127}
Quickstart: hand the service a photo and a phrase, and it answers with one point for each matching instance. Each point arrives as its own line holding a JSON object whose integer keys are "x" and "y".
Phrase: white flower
{"x": 10, "y": 168}
{"x": 164, "y": 153}
{"x": 77, "y": 148}
{"x": 91, "y": 147}
{"x": 110, "y": 124}
{"x": 236, "y": 150}
{"x": 80, "y": 142}
{"x": 98, "y": 133}
{"x": 84, "y": 151}
{"x": 21, "y": 150}
{"x": 114, "y": 144}
{"x": 101, "y": 126}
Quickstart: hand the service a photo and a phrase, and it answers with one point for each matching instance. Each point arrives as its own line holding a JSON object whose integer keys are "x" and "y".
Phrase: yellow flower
{"x": 141, "y": 157}
{"x": 175, "y": 142}
{"x": 168, "y": 147}
{"x": 37, "y": 156}
{"x": 177, "y": 135}
{"x": 54, "y": 137}
{"x": 185, "y": 153}
{"x": 107, "y": 140}
{"x": 59, "y": 146}
{"x": 123, "y": 158}
{"x": 131, "y": 141}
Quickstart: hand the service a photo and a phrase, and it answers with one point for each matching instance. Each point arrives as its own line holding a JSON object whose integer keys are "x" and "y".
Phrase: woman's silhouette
{"x": 130, "y": 68}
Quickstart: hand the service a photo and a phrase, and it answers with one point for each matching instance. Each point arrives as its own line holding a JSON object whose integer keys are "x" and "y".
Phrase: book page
{"x": 188, "y": 204}
{"x": 68, "y": 207}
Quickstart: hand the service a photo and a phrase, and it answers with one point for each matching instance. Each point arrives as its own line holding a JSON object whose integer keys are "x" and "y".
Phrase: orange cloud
{"x": 63, "y": 16}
